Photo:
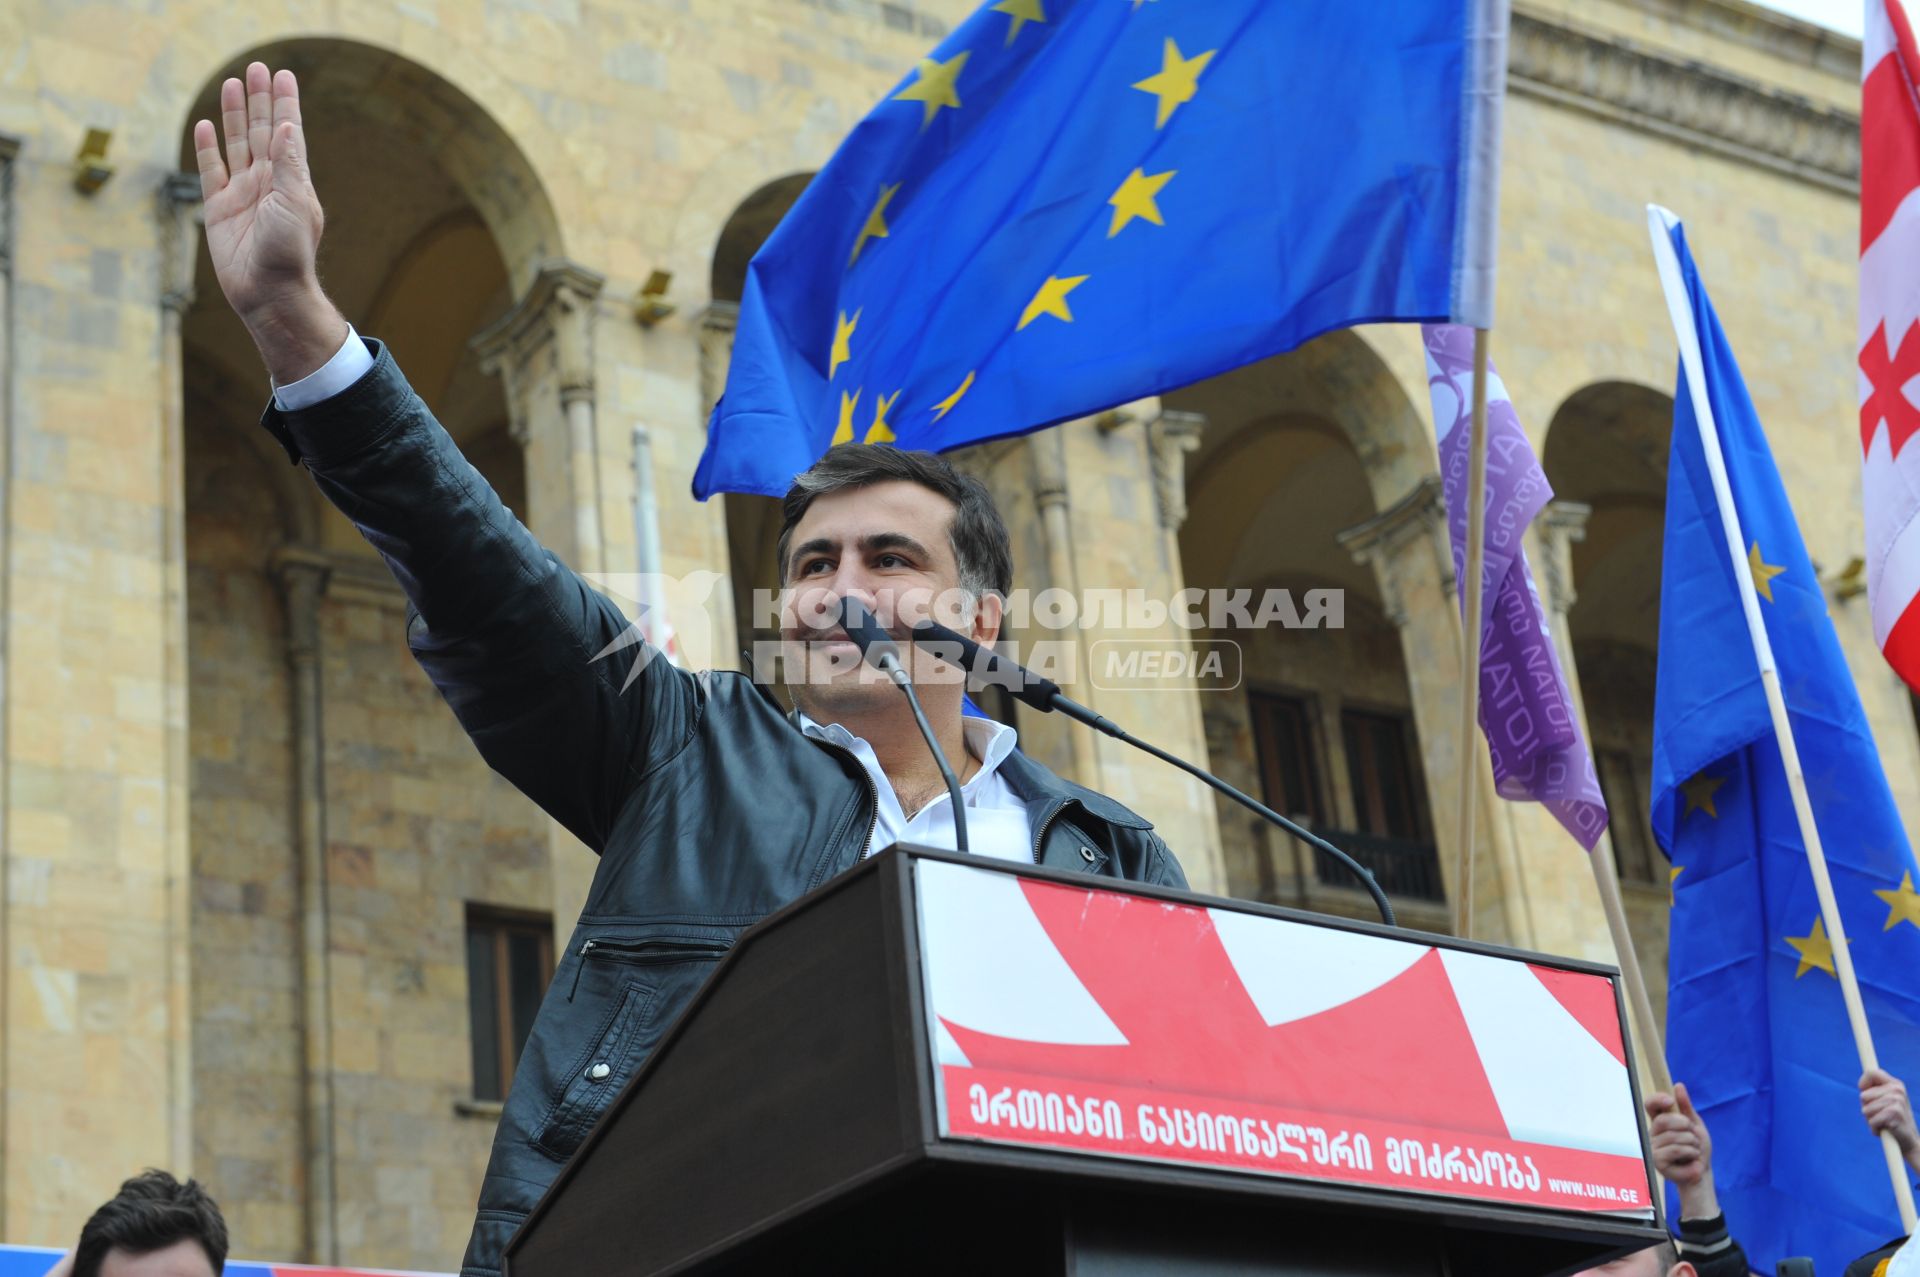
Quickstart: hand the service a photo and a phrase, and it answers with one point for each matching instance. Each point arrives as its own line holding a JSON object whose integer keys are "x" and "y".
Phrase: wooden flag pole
{"x": 1473, "y": 570}
{"x": 1690, "y": 358}
{"x": 1653, "y": 1048}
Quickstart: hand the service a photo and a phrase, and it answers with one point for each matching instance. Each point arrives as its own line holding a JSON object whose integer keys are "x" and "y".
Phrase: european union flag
{"x": 1074, "y": 203}
{"x": 1755, "y": 1023}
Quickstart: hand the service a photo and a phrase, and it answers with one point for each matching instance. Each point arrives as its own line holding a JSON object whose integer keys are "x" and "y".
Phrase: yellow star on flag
{"x": 842, "y": 342}
{"x": 1022, "y": 12}
{"x": 1177, "y": 80}
{"x": 1903, "y": 903}
{"x": 945, "y": 406}
{"x": 1700, "y": 791}
{"x": 1051, "y": 300}
{"x": 1815, "y": 949}
{"x": 880, "y": 431}
{"x": 1135, "y": 199}
{"x": 1763, "y": 572}
{"x": 844, "y": 433}
{"x": 935, "y": 86}
{"x": 1673, "y": 876}
{"x": 876, "y": 226}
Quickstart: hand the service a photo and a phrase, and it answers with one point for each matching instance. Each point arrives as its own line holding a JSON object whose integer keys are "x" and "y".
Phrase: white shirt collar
{"x": 987, "y": 740}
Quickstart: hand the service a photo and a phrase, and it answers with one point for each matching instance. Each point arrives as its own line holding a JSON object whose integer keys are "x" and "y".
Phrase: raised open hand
{"x": 264, "y": 222}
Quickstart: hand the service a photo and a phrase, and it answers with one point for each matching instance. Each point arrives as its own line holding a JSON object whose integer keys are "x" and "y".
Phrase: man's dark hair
{"x": 980, "y": 543}
{"x": 152, "y": 1211}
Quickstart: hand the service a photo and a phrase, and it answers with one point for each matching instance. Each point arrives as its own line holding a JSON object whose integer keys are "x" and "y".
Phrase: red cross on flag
{"x": 1890, "y": 329}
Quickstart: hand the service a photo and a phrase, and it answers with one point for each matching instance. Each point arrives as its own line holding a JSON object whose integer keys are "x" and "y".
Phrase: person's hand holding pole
{"x": 1885, "y": 1105}
{"x": 1683, "y": 1151}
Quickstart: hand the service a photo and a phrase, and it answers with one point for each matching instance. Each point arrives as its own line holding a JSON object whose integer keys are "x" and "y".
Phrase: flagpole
{"x": 1652, "y": 1048}
{"x": 1691, "y": 360}
{"x": 1470, "y": 588}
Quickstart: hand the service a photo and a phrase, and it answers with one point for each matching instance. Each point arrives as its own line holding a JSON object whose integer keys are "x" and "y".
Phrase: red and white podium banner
{"x": 1095, "y": 1021}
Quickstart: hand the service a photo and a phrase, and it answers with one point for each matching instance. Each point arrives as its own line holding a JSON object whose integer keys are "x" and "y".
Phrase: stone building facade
{"x": 251, "y": 869}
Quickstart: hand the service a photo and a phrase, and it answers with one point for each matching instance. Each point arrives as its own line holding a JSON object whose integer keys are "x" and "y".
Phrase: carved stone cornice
{"x": 1381, "y": 540}
{"x": 1690, "y": 102}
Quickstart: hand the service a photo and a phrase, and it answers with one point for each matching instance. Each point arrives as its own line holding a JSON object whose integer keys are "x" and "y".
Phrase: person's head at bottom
{"x": 1655, "y": 1261}
{"x": 155, "y": 1226}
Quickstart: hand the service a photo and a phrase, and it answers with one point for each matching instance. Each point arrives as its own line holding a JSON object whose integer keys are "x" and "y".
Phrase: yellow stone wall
{"x": 151, "y": 1006}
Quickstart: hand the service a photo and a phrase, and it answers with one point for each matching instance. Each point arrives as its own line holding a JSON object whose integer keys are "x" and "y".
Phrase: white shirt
{"x": 348, "y": 365}
{"x": 996, "y": 816}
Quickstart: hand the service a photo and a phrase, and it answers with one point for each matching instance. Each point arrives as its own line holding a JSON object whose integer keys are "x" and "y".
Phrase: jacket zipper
{"x": 645, "y": 953}
{"x": 1040, "y": 836}
{"x": 873, "y": 790}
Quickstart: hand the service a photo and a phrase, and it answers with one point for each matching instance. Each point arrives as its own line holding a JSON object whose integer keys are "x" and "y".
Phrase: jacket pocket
{"x": 651, "y": 981}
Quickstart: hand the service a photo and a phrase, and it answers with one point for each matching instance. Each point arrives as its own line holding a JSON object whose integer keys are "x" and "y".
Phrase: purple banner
{"x": 1526, "y": 708}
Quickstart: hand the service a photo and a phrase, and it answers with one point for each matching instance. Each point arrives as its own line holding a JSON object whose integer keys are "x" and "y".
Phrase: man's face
{"x": 889, "y": 545}
{"x": 185, "y": 1258}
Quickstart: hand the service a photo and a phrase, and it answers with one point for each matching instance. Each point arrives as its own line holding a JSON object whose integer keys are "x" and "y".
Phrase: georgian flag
{"x": 1890, "y": 329}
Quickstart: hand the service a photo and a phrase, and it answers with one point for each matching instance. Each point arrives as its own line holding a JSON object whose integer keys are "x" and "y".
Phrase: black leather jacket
{"x": 709, "y": 808}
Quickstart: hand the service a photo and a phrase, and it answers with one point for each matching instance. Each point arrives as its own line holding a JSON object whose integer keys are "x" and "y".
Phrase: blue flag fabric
{"x": 1074, "y": 203}
{"x": 1755, "y": 1023}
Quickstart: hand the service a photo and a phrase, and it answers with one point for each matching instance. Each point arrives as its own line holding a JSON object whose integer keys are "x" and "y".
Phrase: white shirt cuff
{"x": 347, "y": 366}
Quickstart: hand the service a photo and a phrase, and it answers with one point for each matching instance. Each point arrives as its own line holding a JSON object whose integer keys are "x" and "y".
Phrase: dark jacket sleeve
{"x": 1709, "y": 1247}
{"x": 517, "y": 642}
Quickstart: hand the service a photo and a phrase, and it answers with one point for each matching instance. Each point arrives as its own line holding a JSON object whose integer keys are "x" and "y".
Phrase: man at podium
{"x": 709, "y": 808}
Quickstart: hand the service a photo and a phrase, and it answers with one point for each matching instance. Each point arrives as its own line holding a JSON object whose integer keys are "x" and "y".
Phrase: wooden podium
{"x": 812, "y": 1109}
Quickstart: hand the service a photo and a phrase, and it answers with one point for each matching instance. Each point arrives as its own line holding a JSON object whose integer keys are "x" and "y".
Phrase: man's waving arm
{"x": 513, "y": 638}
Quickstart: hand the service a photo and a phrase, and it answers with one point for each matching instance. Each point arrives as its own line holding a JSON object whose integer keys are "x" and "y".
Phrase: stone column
{"x": 1412, "y": 559}
{"x": 1046, "y": 453}
{"x": 302, "y": 577}
{"x": 179, "y": 213}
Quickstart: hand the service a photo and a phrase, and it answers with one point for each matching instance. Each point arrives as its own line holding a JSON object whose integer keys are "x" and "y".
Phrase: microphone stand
{"x": 1045, "y": 695}
{"x": 878, "y": 649}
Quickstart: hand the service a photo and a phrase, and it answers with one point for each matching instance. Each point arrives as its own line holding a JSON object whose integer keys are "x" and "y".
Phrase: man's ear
{"x": 1683, "y": 1269}
{"x": 989, "y": 610}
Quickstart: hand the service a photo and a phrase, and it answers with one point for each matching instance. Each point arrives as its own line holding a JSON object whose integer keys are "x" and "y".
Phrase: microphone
{"x": 878, "y": 649}
{"x": 1045, "y": 695}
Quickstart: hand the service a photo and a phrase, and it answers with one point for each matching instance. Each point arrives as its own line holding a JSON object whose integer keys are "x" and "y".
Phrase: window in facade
{"x": 1289, "y": 766}
{"x": 1394, "y": 838}
{"x": 509, "y": 962}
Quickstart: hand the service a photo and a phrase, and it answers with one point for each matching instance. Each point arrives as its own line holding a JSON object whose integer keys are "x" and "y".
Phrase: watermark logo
{"x": 1144, "y": 665}
{"x": 1113, "y": 640}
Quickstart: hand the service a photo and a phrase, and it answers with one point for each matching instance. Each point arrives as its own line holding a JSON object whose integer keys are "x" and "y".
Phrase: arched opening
{"x": 434, "y": 223}
{"x": 753, "y": 522}
{"x": 1296, "y": 450}
{"x": 1607, "y": 449}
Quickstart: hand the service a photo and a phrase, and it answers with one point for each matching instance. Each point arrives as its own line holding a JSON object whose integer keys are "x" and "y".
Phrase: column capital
{"x": 302, "y": 576}
{"x": 1171, "y": 435}
{"x": 1047, "y": 450}
{"x": 1381, "y": 540}
{"x": 1560, "y": 525}
{"x": 557, "y": 307}
{"x": 714, "y": 331}
{"x": 178, "y": 205}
